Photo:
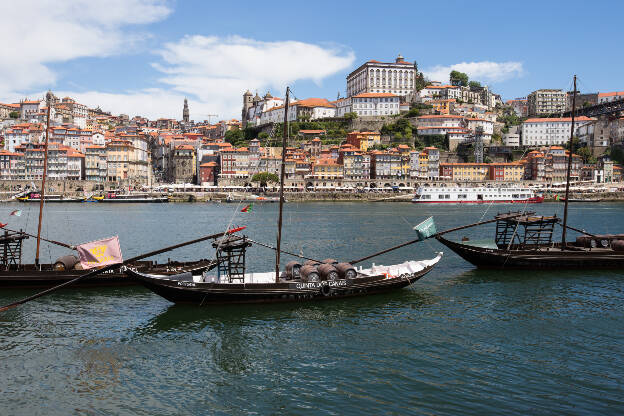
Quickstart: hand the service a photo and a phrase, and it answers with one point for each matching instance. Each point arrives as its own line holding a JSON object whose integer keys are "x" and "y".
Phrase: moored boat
{"x": 524, "y": 240}
{"x": 310, "y": 282}
{"x": 313, "y": 280}
{"x": 36, "y": 197}
{"x": 470, "y": 195}
{"x": 130, "y": 198}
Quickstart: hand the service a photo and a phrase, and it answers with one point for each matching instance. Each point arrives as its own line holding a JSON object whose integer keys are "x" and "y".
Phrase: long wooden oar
{"x": 114, "y": 266}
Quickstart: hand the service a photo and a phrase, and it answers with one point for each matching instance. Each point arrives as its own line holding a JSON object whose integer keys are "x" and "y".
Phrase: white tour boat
{"x": 467, "y": 195}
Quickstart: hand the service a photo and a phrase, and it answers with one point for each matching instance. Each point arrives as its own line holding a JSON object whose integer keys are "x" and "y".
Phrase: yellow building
{"x": 465, "y": 171}
{"x": 441, "y": 106}
{"x": 118, "y": 154}
{"x": 328, "y": 169}
{"x": 363, "y": 140}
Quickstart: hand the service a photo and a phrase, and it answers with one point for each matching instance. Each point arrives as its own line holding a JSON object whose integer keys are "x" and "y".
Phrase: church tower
{"x": 185, "y": 112}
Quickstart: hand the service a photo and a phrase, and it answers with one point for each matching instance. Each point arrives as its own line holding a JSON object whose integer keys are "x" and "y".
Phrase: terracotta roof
{"x": 313, "y": 102}
{"x": 560, "y": 119}
{"x": 439, "y": 116}
{"x": 374, "y": 95}
{"x": 311, "y": 131}
{"x": 208, "y": 164}
{"x": 611, "y": 94}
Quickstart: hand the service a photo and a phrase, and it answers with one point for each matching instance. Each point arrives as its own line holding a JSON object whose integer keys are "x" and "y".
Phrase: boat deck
{"x": 408, "y": 267}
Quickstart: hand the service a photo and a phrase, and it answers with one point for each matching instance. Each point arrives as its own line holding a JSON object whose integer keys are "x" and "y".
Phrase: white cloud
{"x": 218, "y": 70}
{"x": 484, "y": 71}
{"x": 36, "y": 33}
{"x": 214, "y": 73}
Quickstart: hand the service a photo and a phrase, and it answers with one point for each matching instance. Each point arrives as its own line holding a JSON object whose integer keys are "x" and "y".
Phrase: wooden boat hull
{"x": 30, "y": 277}
{"x": 536, "y": 259}
{"x": 199, "y": 293}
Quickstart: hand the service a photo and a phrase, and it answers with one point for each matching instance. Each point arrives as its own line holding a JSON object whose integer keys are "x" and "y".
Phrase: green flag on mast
{"x": 425, "y": 229}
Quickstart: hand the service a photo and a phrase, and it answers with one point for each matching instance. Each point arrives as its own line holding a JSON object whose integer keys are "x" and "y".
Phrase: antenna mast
{"x": 281, "y": 192}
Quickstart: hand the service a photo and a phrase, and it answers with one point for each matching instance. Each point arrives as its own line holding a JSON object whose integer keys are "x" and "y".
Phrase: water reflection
{"x": 191, "y": 318}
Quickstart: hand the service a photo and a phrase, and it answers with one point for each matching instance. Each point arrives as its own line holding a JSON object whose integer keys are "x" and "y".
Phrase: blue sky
{"x": 144, "y": 56}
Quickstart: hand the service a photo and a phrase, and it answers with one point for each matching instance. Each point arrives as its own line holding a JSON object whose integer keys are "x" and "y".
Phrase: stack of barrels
{"x": 615, "y": 241}
{"x": 312, "y": 271}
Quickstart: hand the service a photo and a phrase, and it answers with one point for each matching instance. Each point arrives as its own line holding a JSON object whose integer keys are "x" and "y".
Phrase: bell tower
{"x": 185, "y": 111}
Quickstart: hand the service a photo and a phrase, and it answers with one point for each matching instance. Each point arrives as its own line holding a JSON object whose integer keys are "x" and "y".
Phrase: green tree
{"x": 474, "y": 84}
{"x": 234, "y": 136}
{"x": 263, "y": 135}
{"x": 420, "y": 82}
{"x": 459, "y": 78}
{"x": 586, "y": 155}
{"x": 14, "y": 114}
{"x": 265, "y": 177}
{"x": 350, "y": 116}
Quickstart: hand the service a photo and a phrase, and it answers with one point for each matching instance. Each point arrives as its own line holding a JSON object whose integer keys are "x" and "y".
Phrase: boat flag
{"x": 100, "y": 253}
{"x": 248, "y": 208}
{"x": 17, "y": 213}
{"x": 2, "y": 224}
{"x": 556, "y": 197}
{"x": 425, "y": 229}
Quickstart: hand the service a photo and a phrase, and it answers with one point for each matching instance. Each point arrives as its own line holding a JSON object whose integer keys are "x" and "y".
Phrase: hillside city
{"x": 393, "y": 129}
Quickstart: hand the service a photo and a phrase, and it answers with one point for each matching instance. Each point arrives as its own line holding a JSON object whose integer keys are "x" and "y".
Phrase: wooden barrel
{"x": 310, "y": 274}
{"x": 617, "y": 245}
{"x": 293, "y": 270}
{"x": 346, "y": 271}
{"x": 328, "y": 272}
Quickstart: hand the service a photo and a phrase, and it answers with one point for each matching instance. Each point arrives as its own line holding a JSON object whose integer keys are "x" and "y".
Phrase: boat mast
{"x": 281, "y": 192}
{"x": 570, "y": 155}
{"x": 45, "y": 173}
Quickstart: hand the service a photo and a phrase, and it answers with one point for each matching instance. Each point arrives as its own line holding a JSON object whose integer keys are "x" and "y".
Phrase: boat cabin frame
{"x": 525, "y": 231}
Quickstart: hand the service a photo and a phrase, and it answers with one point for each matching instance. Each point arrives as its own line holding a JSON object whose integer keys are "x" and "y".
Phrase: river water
{"x": 459, "y": 341}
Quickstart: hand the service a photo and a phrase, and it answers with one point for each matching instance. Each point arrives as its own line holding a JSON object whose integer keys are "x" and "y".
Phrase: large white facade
{"x": 382, "y": 77}
{"x": 549, "y": 131}
{"x": 375, "y": 104}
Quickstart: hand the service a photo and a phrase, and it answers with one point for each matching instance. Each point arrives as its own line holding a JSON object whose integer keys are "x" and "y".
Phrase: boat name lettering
{"x": 317, "y": 285}
{"x": 187, "y": 284}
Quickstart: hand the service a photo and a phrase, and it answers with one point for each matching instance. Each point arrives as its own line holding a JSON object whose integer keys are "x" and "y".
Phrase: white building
{"x": 311, "y": 109}
{"x": 382, "y": 77}
{"x": 29, "y": 109}
{"x": 343, "y": 106}
{"x": 549, "y": 131}
{"x": 375, "y": 104}
{"x": 486, "y": 125}
{"x": 440, "y": 92}
{"x": 442, "y": 120}
{"x": 606, "y": 97}
{"x": 546, "y": 102}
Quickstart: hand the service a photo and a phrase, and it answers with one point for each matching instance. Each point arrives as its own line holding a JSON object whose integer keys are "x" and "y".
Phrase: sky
{"x": 143, "y": 57}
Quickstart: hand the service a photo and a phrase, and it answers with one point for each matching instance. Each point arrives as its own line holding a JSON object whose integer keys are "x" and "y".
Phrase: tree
{"x": 474, "y": 84}
{"x": 234, "y": 136}
{"x": 265, "y": 177}
{"x": 350, "y": 116}
{"x": 420, "y": 82}
{"x": 586, "y": 155}
{"x": 459, "y": 78}
{"x": 14, "y": 114}
{"x": 263, "y": 135}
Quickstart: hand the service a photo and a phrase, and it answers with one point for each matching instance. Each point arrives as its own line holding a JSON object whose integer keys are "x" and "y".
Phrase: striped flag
{"x": 248, "y": 208}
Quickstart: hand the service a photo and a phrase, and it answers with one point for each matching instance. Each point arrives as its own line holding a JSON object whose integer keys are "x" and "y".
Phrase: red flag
{"x": 248, "y": 208}
{"x": 100, "y": 253}
{"x": 2, "y": 225}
